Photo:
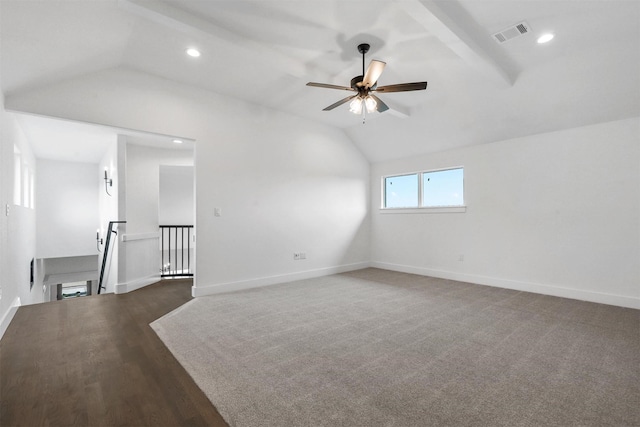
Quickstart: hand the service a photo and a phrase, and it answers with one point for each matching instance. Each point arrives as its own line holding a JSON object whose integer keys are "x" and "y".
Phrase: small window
{"x": 443, "y": 188}
{"x": 73, "y": 290}
{"x": 401, "y": 191}
{"x": 26, "y": 186}
{"x": 17, "y": 176}
{"x": 429, "y": 189}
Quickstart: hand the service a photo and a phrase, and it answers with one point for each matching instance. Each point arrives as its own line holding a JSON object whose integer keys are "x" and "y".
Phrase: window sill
{"x": 444, "y": 209}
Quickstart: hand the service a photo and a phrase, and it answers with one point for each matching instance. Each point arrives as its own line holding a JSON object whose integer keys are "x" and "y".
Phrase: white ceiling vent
{"x": 512, "y": 32}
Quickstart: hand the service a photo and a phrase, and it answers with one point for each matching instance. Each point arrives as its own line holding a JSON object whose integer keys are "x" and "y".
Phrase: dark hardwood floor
{"x": 94, "y": 361}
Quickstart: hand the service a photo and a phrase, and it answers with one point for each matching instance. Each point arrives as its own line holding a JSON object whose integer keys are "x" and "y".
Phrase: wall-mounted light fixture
{"x": 108, "y": 182}
{"x": 98, "y": 240}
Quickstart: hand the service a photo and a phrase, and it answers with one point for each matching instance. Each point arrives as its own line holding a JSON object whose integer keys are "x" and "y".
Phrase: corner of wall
{"x": 198, "y": 291}
{"x": 123, "y": 288}
{"x": 537, "y": 288}
{"x": 8, "y": 316}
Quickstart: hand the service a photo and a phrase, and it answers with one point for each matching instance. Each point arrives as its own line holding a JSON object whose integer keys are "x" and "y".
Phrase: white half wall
{"x": 555, "y": 213}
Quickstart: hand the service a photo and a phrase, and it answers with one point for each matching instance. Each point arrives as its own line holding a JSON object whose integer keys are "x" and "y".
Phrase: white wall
{"x": 67, "y": 216}
{"x": 555, "y": 213}
{"x": 18, "y": 227}
{"x": 283, "y": 183}
{"x": 143, "y": 183}
{"x": 109, "y": 210}
{"x": 176, "y": 195}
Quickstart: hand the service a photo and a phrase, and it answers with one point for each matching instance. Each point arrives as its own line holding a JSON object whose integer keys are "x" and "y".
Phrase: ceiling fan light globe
{"x": 356, "y": 106}
{"x": 371, "y": 104}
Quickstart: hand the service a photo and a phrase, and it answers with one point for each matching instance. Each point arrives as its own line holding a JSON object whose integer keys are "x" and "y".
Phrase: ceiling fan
{"x": 364, "y": 100}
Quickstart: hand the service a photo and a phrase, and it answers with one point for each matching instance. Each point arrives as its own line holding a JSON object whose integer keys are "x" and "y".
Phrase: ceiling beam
{"x": 452, "y": 25}
{"x": 170, "y": 16}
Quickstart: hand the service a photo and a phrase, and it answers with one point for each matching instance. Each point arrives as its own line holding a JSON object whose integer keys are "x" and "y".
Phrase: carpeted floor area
{"x": 381, "y": 348}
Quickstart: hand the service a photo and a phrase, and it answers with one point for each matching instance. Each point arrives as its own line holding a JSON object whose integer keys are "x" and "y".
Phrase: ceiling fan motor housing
{"x": 356, "y": 83}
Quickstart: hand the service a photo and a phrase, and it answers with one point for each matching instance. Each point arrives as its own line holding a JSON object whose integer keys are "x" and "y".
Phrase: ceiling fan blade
{"x": 403, "y": 87}
{"x": 328, "y": 86}
{"x": 339, "y": 103}
{"x": 381, "y": 106}
{"x": 373, "y": 73}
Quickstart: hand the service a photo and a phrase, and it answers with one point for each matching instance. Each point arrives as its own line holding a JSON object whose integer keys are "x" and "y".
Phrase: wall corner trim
{"x": 123, "y": 288}
{"x": 140, "y": 236}
{"x": 198, "y": 291}
{"x": 7, "y": 317}
{"x": 537, "y": 288}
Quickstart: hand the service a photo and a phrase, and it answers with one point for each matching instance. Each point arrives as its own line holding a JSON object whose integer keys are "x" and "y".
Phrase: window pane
{"x": 401, "y": 191}
{"x": 443, "y": 188}
{"x": 26, "y": 185}
{"x": 17, "y": 177}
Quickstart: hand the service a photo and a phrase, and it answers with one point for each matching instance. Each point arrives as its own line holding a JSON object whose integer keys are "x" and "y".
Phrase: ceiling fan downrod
{"x": 363, "y": 48}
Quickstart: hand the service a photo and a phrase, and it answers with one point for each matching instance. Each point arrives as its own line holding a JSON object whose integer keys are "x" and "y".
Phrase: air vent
{"x": 511, "y": 32}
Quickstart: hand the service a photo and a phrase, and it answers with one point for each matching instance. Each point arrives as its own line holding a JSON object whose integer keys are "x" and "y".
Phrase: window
{"x": 17, "y": 176}
{"x": 26, "y": 186}
{"x": 23, "y": 181}
{"x": 429, "y": 189}
{"x": 401, "y": 191}
{"x": 443, "y": 188}
{"x": 73, "y": 290}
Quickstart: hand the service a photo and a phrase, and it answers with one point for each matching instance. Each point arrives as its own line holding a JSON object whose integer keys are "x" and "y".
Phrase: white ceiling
{"x": 266, "y": 51}
{"x": 69, "y": 141}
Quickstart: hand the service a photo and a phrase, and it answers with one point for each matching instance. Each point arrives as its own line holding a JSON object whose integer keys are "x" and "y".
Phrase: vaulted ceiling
{"x": 265, "y": 52}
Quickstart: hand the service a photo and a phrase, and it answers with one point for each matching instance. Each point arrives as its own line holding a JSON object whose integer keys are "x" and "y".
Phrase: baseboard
{"x": 198, "y": 291}
{"x": 7, "y": 317}
{"x": 557, "y": 291}
{"x": 123, "y": 288}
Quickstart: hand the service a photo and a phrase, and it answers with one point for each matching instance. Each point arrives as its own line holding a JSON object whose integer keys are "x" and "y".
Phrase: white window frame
{"x": 17, "y": 176}
{"x": 422, "y": 209}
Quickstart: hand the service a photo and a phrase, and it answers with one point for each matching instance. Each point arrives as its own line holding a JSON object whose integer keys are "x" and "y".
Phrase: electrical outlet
{"x": 7, "y": 209}
{"x": 296, "y": 256}
{"x": 303, "y": 255}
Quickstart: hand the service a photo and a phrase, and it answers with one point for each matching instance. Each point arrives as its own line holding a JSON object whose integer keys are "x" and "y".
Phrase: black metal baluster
{"x": 178, "y": 269}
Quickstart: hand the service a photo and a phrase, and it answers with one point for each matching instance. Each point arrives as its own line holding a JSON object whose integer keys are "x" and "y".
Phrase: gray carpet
{"x": 380, "y": 348}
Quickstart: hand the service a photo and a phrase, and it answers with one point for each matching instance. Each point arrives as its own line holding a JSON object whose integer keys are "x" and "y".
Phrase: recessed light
{"x": 545, "y": 38}
{"x": 177, "y": 141}
{"x": 193, "y": 52}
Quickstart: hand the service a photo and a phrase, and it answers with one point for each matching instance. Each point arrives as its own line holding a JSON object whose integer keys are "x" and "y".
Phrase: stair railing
{"x": 106, "y": 251}
{"x": 175, "y": 249}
